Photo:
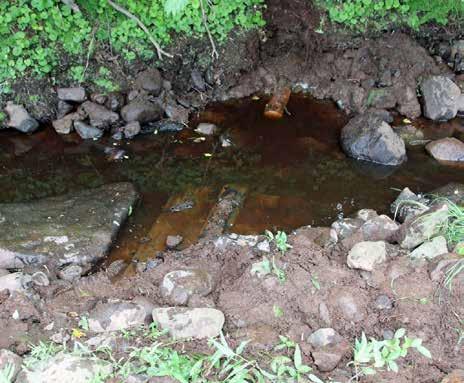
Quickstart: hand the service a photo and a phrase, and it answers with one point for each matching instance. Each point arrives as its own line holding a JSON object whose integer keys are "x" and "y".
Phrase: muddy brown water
{"x": 293, "y": 169}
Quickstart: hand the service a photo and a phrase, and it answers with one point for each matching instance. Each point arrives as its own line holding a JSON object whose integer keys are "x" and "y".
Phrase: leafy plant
{"x": 7, "y": 373}
{"x": 280, "y": 239}
{"x": 379, "y": 14}
{"x": 278, "y": 312}
{"x": 40, "y": 353}
{"x": 265, "y": 267}
{"x": 369, "y": 356}
{"x": 39, "y": 35}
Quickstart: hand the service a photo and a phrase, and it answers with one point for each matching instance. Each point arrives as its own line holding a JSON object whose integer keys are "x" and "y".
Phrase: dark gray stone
{"x": 141, "y": 110}
{"x": 366, "y": 137}
{"x": 99, "y": 116}
{"x": 440, "y": 96}
{"x": 76, "y": 94}
{"x": 20, "y": 119}
{"x": 87, "y": 132}
{"x": 150, "y": 80}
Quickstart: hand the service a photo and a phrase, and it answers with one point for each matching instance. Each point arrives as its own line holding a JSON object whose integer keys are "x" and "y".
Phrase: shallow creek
{"x": 292, "y": 170}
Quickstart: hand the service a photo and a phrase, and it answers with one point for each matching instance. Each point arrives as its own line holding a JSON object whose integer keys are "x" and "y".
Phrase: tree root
{"x": 214, "y": 52}
{"x": 125, "y": 12}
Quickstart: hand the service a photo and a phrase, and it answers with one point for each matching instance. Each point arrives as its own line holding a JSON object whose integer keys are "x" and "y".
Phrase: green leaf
{"x": 400, "y": 333}
{"x": 174, "y": 7}
{"x": 424, "y": 351}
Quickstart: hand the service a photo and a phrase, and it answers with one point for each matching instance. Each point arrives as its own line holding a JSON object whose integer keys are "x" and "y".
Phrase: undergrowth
{"x": 380, "y": 14}
{"x": 38, "y": 36}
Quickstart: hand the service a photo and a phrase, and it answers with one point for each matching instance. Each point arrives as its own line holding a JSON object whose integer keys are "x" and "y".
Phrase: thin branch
{"x": 125, "y": 12}
{"x": 214, "y": 53}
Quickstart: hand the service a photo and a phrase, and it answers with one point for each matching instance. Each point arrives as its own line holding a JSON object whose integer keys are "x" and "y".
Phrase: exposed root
{"x": 214, "y": 53}
{"x": 125, "y": 12}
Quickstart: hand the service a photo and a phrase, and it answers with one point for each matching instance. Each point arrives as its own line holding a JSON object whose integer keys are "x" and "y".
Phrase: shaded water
{"x": 293, "y": 169}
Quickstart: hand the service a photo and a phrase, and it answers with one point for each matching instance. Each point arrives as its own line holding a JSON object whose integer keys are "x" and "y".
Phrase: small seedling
{"x": 285, "y": 344}
{"x": 315, "y": 282}
{"x": 369, "y": 356}
{"x": 41, "y": 352}
{"x": 84, "y": 323}
{"x": 278, "y": 312}
{"x": 280, "y": 240}
{"x": 266, "y": 267}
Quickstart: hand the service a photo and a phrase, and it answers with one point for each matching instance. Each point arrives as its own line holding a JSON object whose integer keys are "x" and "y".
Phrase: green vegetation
{"x": 380, "y": 14}
{"x": 6, "y": 373}
{"x": 266, "y": 267}
{"x": 40, "y": 35}
{"x": 372, "y": 355}
{"x": 280, "y": 240}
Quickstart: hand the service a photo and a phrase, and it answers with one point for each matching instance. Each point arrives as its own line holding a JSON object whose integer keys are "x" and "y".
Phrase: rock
{"x": 179, "y": 285}
{"x": 163, "y": 126}
{"x": 76, "y": 228}
{"x": 99, "y": 116}
{"x": 346, "y": 227}
{"x": 407, "y": 205}
{"x": 63, "y": 108}
{"x": 131, "y": 129}
{"x": 324, "y": 337}
{"x": 440, "y": 96}
{"x": 4, "y": 272}
{"x": 20, "y": 119}
{"x": 116, "y": 316}
{"x": 150, "y": 80}
{"x": 76, "y": 94}
{"x": 431, "y": 249}
{"x": 349, "y": 308}
{"x": 99, "y": 98}
{"x": 457, "y": 49}
{"x": 172, "y": 241}
{"x": 446, "y": 149}
{"x": 366, "y": 214}
{"x": 198, "y": 323}
{"x": 366, "y": 137}
{"x": 87, "y": 132}
{"x": 141, "y": 110}
{"x": 63, "y": 125}
{"x": 65, "y": 368}
{"x": 8, "y": 358}
{"x": 71, "y": 273}
{"x": 408, "y": 104}
{"x": 264, "y": 246}
{"x": 419, "y": 229}
{"x": 147, "y": 305}
{"x": 39, "y": 278}
{"x": 326, "y": 361}
{"x": 198, "y": 80}
{"x": 410, "y": 134}
{"x": 366, "y": 255}
{"x": 114, "y": 101}
{"x": 206, "y": 129}
{"x": 456, "y": 376}
{"x": 383, "y": 302}
{"x": 380, "y": 228}
{"x": 15, "y": 282}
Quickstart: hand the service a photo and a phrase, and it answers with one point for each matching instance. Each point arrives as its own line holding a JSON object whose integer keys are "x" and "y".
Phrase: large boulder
{"x": 446, "y": 149}
{"x": 76, "y": 228}
{"x": 367, "y": 137}
{"x": 76, "y": 94}
{"x": 431, "y": 249}
{"x": 66, "y": 368}
{"x": 150, "y": 80}
{"x": 198, "y": 323}
{"x": 440, "y": 97}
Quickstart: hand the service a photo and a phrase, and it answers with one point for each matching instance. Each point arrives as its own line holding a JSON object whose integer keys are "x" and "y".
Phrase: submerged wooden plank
{"x": 222, "y": 216}
{"x": 184, "y": 214}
